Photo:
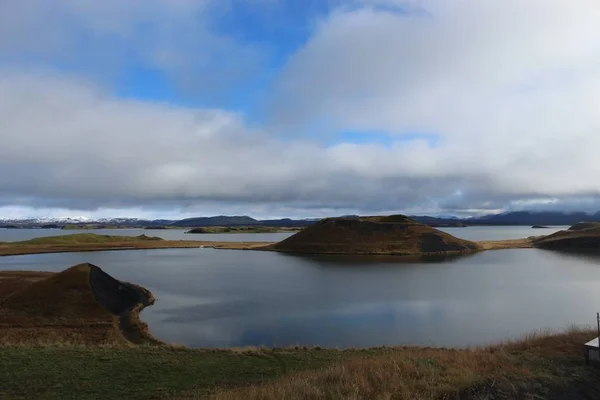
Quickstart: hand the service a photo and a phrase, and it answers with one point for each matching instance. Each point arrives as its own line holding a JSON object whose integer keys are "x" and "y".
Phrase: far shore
{"x": 10, "y": 249}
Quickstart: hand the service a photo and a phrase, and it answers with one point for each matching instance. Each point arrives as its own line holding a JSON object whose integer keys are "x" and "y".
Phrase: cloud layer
{"x": 509, "y": 88}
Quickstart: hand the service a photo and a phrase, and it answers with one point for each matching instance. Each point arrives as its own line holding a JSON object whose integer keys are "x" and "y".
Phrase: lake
{"x": 470, "y": 233}
{"x": 221, "y": 298}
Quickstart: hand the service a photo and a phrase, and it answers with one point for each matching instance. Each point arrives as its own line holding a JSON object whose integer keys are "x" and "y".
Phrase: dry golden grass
{"x": 409, "y": 374}
{"x": 524, "y": 243}
{"x": 538, "y": 365}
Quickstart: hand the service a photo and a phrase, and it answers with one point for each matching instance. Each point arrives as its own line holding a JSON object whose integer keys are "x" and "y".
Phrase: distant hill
{"x": 221, "y": 220}
{"x": 394, "y": 234}
{"x": 529, "y": 218}
{"x": 287, "y": 222}
{"x": 517, "y": 218}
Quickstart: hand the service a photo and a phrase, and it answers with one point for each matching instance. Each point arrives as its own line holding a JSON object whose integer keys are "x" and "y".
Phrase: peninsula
{"x": 80, "y": 242}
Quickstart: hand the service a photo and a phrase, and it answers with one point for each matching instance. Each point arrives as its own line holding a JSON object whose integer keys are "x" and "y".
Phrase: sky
{"x": 298, "y": 108}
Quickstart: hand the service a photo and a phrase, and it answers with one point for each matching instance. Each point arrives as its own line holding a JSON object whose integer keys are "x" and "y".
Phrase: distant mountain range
{"x": 221, "y": 220}
{"x": 509, "y": 218}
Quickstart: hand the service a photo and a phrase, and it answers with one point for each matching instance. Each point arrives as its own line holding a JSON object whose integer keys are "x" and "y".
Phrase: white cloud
{"x": 509, "y": 86}
{"x": 105, "y": 39}
{"x": 66, "y": 143}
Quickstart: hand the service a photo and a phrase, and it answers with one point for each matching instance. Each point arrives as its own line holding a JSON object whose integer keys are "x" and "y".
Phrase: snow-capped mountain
{"x": 48, "y": 220}
{"x": 71, "y": 220}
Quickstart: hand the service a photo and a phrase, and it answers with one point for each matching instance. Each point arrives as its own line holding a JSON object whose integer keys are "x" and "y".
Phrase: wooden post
{"x": 598, "y": 321}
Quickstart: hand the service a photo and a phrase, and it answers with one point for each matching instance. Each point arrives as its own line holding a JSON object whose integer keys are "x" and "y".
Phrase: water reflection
{"x": 591, "y": 255}
{"x": 362, "y": 260}
{"x": 216, "y": 298}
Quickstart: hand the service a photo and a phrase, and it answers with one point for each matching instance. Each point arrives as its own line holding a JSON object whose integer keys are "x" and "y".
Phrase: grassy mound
{"x": 395, "y": 234}
{"x": 581, "y": 236}
{"x": 584, "y": 225}
{"x": 82, "y": 304}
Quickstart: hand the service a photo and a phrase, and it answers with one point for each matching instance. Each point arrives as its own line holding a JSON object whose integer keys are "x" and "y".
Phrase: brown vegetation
{"x": 525, "y": 243}
{"x": 540, "y": 366}
{"x": 583, "y": 236}
{"x": 82, "y": 304}
{"x": 394, "y": 234}
{"x": 11, "y": 281}
{"x": 584, "y": 225}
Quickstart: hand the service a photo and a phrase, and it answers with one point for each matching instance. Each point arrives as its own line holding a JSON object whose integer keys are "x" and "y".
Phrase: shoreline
{"x": 8, "y": 249}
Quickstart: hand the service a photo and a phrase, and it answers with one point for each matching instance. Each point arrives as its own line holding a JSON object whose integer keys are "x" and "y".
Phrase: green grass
{"x": 85, "y": 238}
{"x": 140, "y": 373}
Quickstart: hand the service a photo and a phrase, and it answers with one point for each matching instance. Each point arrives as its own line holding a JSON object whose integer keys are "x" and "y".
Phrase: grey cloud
{"x": 517, "y": 117}
{"x": 509, "y": 88}
{"x": 67, "y": 144}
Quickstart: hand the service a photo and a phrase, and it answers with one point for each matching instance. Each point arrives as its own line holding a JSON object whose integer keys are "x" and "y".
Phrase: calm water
{"x": 13, "y": 235}
{"x": 470, "y": 233}
{"x": 217, "y": 298}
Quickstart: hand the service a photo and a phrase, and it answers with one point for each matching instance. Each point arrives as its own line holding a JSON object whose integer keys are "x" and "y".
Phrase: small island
{"x": 540, "y": 227}
{"x": 241, "y": 229}
{"x": 385, "y": 235}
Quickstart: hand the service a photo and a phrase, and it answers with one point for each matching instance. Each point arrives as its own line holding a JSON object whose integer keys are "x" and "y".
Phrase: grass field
{"x": 92, "y": 242}
{"x": 536, "y": 368}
